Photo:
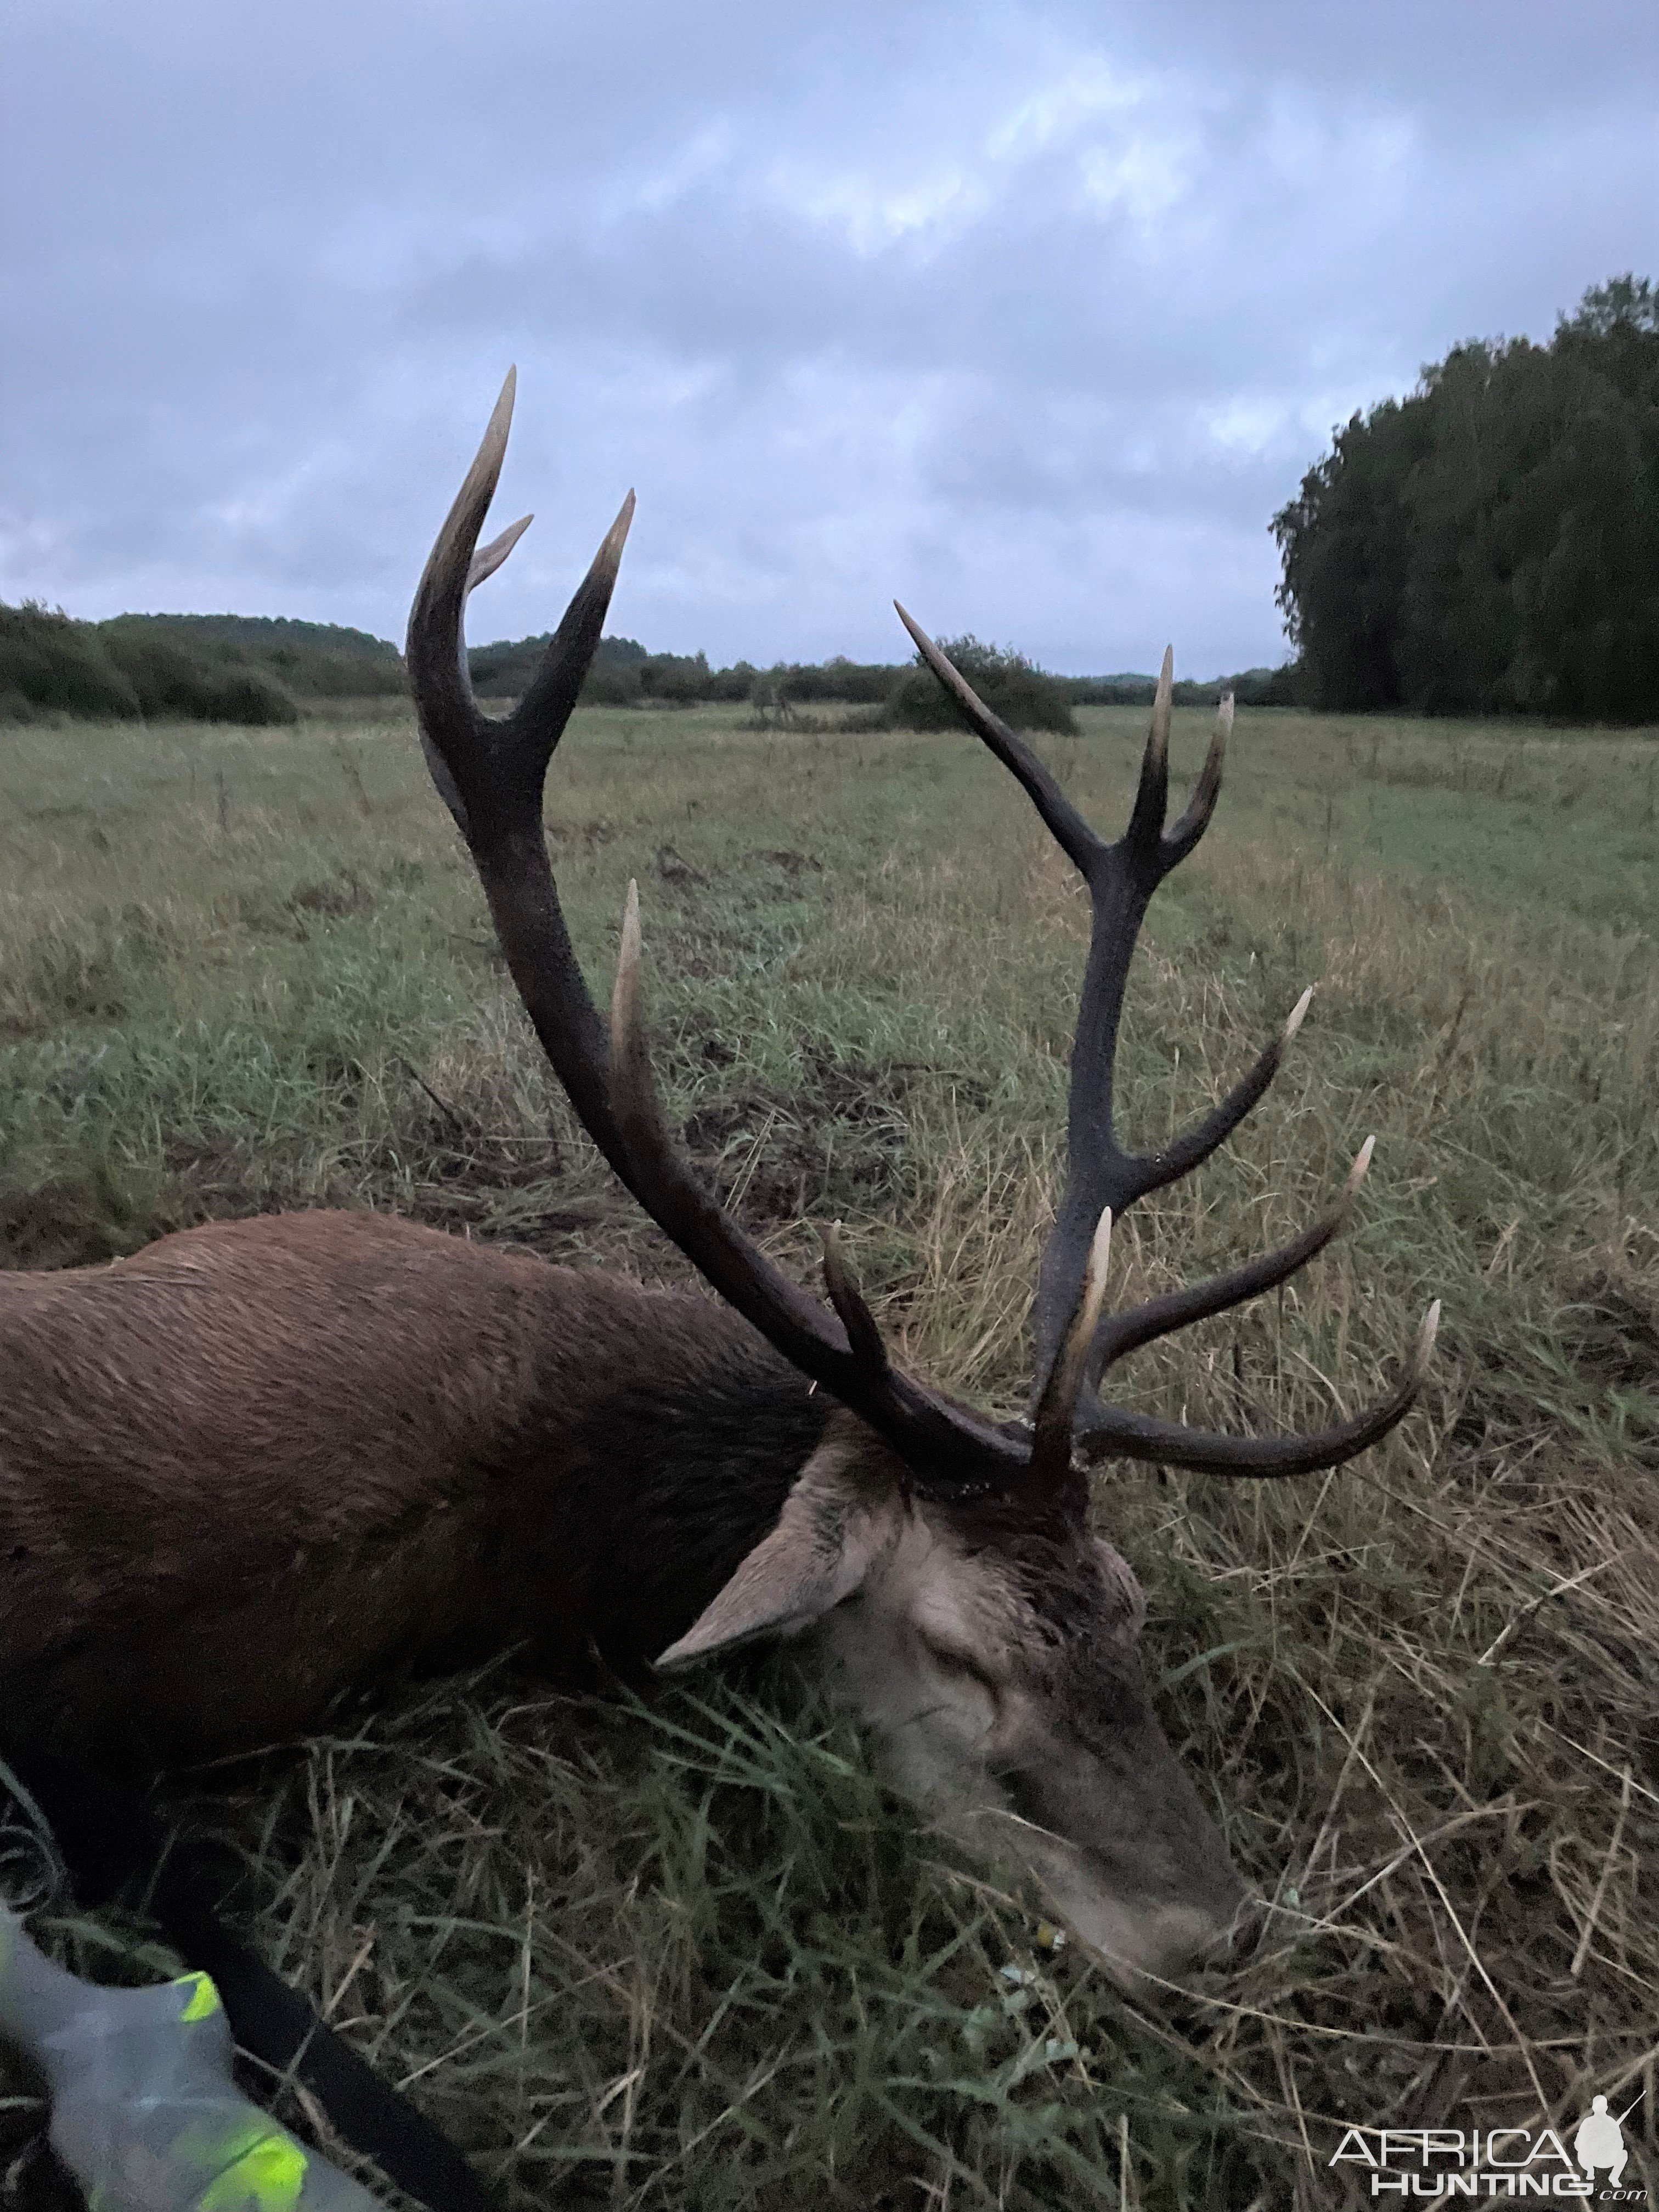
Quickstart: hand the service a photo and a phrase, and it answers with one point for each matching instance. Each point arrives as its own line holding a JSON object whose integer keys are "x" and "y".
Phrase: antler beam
{"x": 1102, "y": 1178}
{"x": 491, "y": 775}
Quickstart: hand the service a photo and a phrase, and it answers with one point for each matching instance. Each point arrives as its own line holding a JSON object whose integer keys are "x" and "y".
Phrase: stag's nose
{"x": 1168, "y": 1950}
{"x": 1236, "y": 1937}
{"x": 1217, "y": 1949}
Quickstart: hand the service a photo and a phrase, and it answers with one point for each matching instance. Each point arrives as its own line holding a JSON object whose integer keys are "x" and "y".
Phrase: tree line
{"x": 264, "y": 669}
{"x": 252, "y": 669}
{"x": 1490, "y": 544}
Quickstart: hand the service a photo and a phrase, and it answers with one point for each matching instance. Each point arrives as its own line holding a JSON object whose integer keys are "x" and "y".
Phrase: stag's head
{"x": 943, "y": 1564}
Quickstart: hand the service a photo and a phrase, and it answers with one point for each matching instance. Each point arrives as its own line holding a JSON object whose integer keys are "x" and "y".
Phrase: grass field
{"x": 682, "y": 1951}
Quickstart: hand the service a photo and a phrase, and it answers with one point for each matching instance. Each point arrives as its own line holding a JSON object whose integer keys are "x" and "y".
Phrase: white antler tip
{"x": 629, "y": 955}
{"x": 1362, "y": 1160}
{"x": 1298, "y": 1014}
{"x": 1100, "y": 1249}
{"x": 1094, "y": 1281}
{"x": 1427, "y": 1333}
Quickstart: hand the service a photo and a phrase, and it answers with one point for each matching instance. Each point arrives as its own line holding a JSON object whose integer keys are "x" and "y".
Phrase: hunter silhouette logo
{"x": 1601, "y": 2141}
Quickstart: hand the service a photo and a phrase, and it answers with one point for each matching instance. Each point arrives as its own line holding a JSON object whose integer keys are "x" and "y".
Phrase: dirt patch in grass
{"x": 1615, "y": 1332}
{"x": 838, "y": 1142}
{"x": 70, "y": 1222}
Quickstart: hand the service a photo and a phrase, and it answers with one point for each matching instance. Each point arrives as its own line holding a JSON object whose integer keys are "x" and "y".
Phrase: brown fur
{"x": 265, "y": 1459}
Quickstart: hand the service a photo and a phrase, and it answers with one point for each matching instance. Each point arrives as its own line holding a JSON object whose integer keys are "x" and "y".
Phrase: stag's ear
{"x": 839, "y": 1519}
{"x": 1130, "y": 1600}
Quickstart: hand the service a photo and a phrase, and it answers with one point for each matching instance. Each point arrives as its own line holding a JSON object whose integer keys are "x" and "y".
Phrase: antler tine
{"x": 1076, "y": 839}
{"x": 862, "y": 1333}
{"x": 1112, "y": 1431}
{"x": 1123, "y": 1332}
{"x": 489, "y": 774}
{"x": 1142, "y": 839}
{"x": 434, "y": 649}
{"x": 1194, "y": 1145}
{"x": 1196, "y": 816}
{"x": 1056, "y": 1410}
{"x": 488, "y": 558}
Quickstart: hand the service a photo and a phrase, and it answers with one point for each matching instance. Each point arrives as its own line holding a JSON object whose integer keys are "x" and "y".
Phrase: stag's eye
{"x": 1027, "y": 1800}
{"x": 962, "y": 1666}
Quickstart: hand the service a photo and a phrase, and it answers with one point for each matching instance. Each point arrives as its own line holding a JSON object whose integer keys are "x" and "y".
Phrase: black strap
{"x": 109, "y": 1836}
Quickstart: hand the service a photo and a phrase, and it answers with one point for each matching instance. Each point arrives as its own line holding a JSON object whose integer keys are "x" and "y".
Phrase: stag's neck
{"x": 661, "y": 1488}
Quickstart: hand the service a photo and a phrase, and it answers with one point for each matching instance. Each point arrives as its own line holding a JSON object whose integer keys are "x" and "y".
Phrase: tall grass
{"x": 683, "y": 1951}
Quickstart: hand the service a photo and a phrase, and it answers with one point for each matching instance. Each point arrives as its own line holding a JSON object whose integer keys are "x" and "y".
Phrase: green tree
{"x": 1490, "y": 543}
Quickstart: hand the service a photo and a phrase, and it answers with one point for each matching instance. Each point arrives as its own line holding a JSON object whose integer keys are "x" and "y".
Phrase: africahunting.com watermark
{"x": 1450, "y": 2163}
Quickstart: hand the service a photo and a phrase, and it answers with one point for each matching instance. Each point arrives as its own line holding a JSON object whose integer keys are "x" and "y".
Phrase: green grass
{"x": 683, "y": 1952}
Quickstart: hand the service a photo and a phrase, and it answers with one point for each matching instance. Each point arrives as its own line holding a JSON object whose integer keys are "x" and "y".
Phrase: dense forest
{"x": 1490, "y": 543}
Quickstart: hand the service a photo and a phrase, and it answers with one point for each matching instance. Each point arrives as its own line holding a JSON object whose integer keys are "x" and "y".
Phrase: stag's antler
{"x": 1100, "y": 1175}
{"x": 491, "y": 773}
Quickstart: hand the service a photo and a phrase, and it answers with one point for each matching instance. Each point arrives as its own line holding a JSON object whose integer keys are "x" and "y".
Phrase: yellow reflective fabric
{"x": 204, "y": 1998}
{"x": 259, "y": 2169}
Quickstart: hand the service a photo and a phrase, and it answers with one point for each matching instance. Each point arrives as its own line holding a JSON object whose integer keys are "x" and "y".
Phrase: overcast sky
{"x": 1030, "y": 315}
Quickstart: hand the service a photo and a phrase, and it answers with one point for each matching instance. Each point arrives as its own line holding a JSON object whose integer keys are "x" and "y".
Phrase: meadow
{"x": 678, "y": 1948}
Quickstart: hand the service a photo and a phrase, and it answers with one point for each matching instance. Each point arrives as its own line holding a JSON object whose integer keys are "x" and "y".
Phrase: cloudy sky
{"x": 1029, "y": 314}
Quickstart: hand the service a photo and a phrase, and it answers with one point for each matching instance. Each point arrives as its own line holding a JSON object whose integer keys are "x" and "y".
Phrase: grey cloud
{"x": 1036, "y": 312}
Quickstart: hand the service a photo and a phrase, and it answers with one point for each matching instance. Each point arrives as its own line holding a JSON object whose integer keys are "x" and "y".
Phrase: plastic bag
{"x": 145, "y": 2113}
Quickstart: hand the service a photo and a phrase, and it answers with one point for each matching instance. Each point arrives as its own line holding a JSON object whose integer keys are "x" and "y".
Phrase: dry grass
{"x": 684, "y": 1953}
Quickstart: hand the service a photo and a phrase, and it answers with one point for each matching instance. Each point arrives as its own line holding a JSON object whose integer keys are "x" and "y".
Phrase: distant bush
{"x": 503, "y": 670}
{"x": 1266, "y": 686}
{"x": 309, "y": 661}
{"x": 168, "y": 682}
{"x": 50, "y": 664}
{"x": 611, "y": 683}
{"x": 1127, "y": 690}
{"x": 1254, "y": 687}
{"x": 1012, "y": 686}
{"x": 679, "y": 680}
{"x": 852, "y": 682}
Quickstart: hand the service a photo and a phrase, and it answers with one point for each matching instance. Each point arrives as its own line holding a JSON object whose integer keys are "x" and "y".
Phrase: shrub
{"x": 50, "y": 664}
{"x": 1266, "y": 686}
{"x": 1011, "y": 685}
{"x": 166, "y": 681}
